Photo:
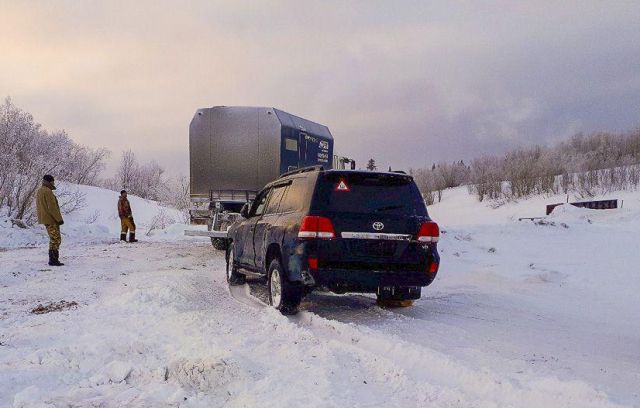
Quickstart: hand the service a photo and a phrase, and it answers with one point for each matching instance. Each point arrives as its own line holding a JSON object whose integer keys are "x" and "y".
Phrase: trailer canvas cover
{"x": 244, "y": 148}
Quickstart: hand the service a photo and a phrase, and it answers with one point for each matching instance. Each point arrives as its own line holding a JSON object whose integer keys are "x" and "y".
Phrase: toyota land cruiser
{"x": 341, "y": 230}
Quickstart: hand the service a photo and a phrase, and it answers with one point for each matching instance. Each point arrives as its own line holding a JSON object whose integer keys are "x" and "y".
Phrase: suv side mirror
{"x": 244, "y": 212}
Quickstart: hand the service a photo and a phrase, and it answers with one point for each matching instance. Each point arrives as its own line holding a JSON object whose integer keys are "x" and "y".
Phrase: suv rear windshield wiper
{"x": 390, "y": 207}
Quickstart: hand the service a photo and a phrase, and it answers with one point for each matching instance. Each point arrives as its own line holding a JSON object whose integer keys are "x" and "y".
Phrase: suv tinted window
{"x": 362, "y": 193}
{"x": 258, "y": 205}
{"x": 274, "y": 199}
{"x": 294, "y": 197}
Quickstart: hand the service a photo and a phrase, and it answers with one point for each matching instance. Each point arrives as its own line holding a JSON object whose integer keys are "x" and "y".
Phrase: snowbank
{"x": 459, "y": 208}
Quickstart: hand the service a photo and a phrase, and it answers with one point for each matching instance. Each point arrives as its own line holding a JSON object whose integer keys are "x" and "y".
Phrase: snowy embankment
{"x": 97, "y": 221}
{"x": 563, "y": 288}
{"x": 522, "y": 314}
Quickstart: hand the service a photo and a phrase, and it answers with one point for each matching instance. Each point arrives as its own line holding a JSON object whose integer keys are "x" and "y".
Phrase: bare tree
{"x": 486, "y": 177}
{"x": 28, "y": 152}
{"x": 89, "y": 164}
{"x": 128, "y": 169}
{"x": 144, "y": 180}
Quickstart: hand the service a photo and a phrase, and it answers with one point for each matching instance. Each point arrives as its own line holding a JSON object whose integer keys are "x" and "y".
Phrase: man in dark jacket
{"x": 49, "y": 214}
{"x": 126, "y": 218}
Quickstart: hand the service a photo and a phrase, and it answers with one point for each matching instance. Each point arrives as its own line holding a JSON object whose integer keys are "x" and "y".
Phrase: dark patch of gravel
{"x": 54, "y": 307}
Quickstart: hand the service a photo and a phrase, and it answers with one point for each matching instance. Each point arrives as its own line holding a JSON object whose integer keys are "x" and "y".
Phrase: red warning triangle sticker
{"x": 342, "y": 186}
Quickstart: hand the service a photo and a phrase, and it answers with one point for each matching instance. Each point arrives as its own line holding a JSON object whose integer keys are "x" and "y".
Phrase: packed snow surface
{"x": 522, "y": 314}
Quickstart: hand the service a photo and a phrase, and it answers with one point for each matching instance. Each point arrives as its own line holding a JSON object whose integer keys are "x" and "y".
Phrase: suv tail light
{"x": 429, "y": 232}
{"x": 316, "y": 227}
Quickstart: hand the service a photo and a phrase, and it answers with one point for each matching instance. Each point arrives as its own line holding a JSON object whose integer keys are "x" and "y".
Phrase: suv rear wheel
{"x": 233, "y": 276}
{"x": 282, "y": 295}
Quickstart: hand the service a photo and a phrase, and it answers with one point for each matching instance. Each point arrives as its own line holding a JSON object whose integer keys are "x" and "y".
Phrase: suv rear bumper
{"x": 340, "y": 271}
{"x": 368, "y": 281}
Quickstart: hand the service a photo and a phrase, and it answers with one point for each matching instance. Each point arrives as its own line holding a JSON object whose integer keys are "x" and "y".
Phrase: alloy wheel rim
{"x": 230, "y": 265}
{"x": 276, "y": 289}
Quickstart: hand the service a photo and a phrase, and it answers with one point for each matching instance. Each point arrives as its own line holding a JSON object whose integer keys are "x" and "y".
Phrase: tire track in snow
{"x": 417, "y": 375}
{"x": 242, "y": 294}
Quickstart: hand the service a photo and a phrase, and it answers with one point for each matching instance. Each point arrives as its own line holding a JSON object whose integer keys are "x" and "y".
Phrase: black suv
{"x": 343, "y": 230}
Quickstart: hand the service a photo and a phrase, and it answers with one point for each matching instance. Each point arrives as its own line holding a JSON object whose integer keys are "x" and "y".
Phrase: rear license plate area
{"x": 370, "y": 248}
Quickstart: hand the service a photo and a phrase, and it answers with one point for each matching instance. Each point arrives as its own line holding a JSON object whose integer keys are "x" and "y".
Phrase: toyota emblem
{"x": 378, "y": 226}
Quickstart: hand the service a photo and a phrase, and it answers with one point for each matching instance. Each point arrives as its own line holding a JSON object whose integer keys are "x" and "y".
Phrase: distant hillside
{"x": 583, "y": 165}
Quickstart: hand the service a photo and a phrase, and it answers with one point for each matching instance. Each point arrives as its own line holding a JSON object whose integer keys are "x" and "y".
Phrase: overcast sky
{"x": 407, "y": 83}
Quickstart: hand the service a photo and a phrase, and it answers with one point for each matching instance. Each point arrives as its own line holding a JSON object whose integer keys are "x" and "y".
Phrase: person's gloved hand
{"x": 61, "y": 222}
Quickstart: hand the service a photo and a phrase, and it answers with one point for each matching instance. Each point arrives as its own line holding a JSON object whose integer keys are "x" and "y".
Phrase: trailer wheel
{"x": 221, "y": 244}
{"x": 233, "y": 276}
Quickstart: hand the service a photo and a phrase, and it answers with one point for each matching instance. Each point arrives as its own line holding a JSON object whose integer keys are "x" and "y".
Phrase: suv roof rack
{"x": 302, "y": 170}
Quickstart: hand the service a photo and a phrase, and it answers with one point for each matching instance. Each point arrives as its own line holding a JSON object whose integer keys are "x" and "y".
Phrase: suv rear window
{"x": 363, "y": 193}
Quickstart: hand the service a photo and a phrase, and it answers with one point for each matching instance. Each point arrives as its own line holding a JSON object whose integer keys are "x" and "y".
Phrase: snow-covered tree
{"x": 29, "y": 152}
{"x": 144, "y": 180}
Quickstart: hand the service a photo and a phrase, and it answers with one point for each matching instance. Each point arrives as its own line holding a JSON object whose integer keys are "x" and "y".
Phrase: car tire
{"x": 282, "y": 294}
{"x": 233, "y": 276}
{"x": 221, "y": 244}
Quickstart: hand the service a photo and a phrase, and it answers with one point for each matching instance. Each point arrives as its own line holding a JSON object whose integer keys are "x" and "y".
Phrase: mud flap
{"x": 398, "y": 296}
{"x": 394, "y": 303}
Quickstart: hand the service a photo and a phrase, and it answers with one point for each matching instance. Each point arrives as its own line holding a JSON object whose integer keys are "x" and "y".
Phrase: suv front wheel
{"x": 233, "y": 276}
{"x": 282, "y": 295}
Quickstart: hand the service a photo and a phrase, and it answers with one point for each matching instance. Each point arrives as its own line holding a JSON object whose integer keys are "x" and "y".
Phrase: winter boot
{"x": 123, "y": 237}
{"x": 57, "y": 254}
{"x": 132, "y": 237}
{"x": 53, "y": 258}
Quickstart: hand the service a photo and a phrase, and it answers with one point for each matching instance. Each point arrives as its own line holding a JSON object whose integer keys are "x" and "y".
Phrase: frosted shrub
{"x": 145, "y": 180}
{"x": 160, "y": 221}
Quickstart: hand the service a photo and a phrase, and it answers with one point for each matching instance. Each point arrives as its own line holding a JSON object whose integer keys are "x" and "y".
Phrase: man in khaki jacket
{"x": 126, "y": 218}
{"x": 49, "y": 215}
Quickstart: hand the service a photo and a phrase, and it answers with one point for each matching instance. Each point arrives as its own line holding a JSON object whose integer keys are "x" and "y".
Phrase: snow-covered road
{"x": 155, "y": 325}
